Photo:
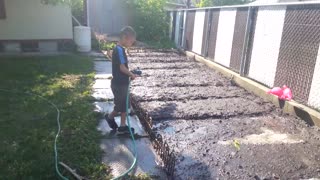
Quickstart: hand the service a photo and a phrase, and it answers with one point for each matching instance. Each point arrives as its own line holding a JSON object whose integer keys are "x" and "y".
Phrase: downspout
{"x": 88, "y": 18}
{"x": 75, "y": 19}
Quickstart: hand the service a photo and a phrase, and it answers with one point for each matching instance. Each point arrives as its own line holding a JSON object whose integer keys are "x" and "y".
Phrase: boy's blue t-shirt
{"x": 119, "y": 57}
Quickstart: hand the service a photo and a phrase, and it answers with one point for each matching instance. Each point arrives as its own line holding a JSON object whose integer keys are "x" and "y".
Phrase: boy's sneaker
{"x": 125, "y": 130}
{"x": 111, "y": 122}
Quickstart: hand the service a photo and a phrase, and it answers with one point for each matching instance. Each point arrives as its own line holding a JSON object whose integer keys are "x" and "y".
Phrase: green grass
{"x": 28, "y": 124}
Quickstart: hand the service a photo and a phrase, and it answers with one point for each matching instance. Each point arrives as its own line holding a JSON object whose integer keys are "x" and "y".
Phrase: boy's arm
{"x": 126, "y": 71}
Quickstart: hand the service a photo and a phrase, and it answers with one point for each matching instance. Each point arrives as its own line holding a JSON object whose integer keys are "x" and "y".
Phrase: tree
{"x": 204, "y": 3}
{"x": 150, "y": 19}
{"x": 208, "y": 3}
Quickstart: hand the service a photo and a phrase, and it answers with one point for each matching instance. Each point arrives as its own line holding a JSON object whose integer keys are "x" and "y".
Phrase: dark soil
{"x": 219, "y": 130}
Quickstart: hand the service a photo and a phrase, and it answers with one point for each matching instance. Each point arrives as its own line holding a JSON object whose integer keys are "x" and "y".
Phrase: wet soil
{"x": 219, "y": 130}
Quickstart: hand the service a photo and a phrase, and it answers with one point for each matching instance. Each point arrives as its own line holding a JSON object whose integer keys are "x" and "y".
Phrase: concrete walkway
{"x": 118, "y": 152}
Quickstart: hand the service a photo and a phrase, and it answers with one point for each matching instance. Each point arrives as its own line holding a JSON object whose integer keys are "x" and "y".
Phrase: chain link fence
{"x": 299, "y": 50}
{"x": 274, "y": 45}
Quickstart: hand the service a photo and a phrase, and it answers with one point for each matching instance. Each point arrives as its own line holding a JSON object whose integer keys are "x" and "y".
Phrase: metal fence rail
{"x": 275, "y": 44}
{"x": 238, "y": 38}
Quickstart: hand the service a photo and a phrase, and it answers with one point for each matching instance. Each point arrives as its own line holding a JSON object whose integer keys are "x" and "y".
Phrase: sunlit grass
{"x": 28, "y": 124}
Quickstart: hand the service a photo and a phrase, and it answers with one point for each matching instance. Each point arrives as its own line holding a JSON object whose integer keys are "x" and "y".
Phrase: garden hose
{"x": 58, "y": 123}
{"x": 125, "y": 174}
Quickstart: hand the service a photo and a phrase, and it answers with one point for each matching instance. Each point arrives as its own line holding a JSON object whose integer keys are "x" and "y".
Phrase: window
{"x": 29, "y": 46}
{"x": 2, "y": 10}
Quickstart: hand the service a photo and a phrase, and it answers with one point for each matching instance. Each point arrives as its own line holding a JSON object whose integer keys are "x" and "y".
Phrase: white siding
{"x": 30, "y": 19}
{"x": 266, "y": 45}
{"x": 314, "y": 96}
{"x": 225, "y": 36}
{"x": 198, "y": 31}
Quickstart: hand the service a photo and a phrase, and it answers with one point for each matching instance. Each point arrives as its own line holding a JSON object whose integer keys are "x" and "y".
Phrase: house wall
{"x": 31, "y": 20}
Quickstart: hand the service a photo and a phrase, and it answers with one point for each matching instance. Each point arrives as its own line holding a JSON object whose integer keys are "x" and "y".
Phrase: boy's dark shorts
{"x": 120, "y": 97}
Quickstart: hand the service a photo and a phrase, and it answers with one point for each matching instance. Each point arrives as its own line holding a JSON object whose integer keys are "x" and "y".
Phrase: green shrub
{"x": 150, "y": 19}
{"x": 107, "y": 46}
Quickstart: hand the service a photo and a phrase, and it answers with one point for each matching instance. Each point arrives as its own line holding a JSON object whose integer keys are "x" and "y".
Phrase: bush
{"x": 150, "y": 19}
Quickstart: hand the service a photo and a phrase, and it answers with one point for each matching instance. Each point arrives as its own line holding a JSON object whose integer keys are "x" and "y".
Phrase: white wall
{"x": 198, "y": 31}
{"x": 225, "y": 32}
{"x": 266, "y": 45}
{"x": 314, "y": 96}
{"x": 31, "y": 20}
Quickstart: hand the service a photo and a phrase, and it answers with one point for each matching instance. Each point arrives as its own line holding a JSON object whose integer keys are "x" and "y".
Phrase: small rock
{"x": 233, "y": 154}
{"x": 219, "y": 84}
{"x": 240, "y": 167}
{"x": 256, "y": 177}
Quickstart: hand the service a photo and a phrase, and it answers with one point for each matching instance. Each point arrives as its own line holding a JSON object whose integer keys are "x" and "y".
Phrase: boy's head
{"x": 127, "y": 36}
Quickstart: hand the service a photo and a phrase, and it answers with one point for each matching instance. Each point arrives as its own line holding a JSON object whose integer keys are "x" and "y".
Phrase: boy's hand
{"x": 133, "y": 76}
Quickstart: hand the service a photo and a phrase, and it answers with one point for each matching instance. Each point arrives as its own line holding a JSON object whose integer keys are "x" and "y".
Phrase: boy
{"x": 120, "y": 80}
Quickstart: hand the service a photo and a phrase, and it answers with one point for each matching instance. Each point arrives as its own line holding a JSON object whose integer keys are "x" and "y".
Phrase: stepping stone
{"x": 103, "y": 67}
{"x": 96, "y": 54}
{"x": 101, "y": 59}
{"x": 134, "y": 122}
{"x": 102, "y": 84}
{"x": 118, "y": 153}
{"x": 103, "y": 107}
{"x": 103, "y": 76}
{"x": 103, "y": 94}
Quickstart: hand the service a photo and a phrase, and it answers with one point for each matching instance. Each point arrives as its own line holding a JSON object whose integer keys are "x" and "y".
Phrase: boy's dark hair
{"x": 127, "y": 31}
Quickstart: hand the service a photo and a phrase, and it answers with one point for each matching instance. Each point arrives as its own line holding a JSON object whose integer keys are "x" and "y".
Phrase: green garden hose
{"x": 58, "y": 122}
{"x": 125, "y": 174}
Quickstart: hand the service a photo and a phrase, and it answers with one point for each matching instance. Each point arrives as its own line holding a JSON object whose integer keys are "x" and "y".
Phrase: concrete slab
{"x": 107, "y": 107}
{"x": 96, "y": 54}
{"x": 118, "y": 153}
{"x": 102, "y": 67}
{"x": 103, "y": 107}
{"x": 104, "y": 128}
{"x": 101, "y": 59}
{"x": 102, "y": 94}
{"x": 102, "y": 84}
{"x": 103, "y": 76}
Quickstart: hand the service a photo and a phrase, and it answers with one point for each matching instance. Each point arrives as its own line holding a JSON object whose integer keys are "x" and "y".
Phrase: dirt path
{"x": 203, "y": 116}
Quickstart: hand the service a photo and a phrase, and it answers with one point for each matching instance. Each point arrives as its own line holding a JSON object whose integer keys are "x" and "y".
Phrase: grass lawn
{"x": 28, "y": 124}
